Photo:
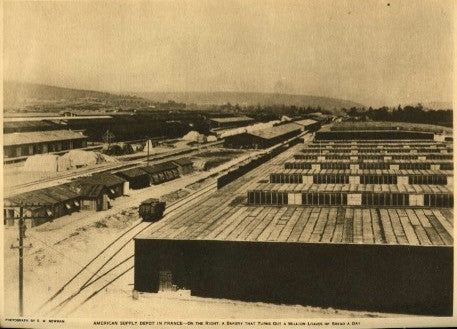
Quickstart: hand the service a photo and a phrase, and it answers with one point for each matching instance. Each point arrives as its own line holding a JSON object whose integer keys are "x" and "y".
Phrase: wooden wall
{"x": 384, "y": 278}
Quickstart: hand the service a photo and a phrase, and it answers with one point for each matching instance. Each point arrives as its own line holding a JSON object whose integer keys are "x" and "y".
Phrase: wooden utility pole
{"x": 147, "y": 143}
{"x": 20, "y": 248}
{"x": 21, "y": 261}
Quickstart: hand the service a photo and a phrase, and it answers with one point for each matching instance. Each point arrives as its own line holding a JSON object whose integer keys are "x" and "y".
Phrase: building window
{"x": 316, "y": 199}
{"x": 428, "y": 179}
{"x": 447, "y": 166}
{"x": 439, "y": 200}
{"x": 251, "y": 199}
{"x": 384, "y": 199}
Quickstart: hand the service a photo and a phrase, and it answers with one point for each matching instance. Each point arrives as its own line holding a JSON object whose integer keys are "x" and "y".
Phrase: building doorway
{"x": 166, "y": 281}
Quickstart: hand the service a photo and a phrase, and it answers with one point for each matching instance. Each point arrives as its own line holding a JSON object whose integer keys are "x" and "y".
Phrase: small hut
{"x": 93, "y": 196}
{"x": 162, "y": 172}
{"x": 136, "y": 177}
{"x": 117, "y": 185}
{"x": 185, "y": 166}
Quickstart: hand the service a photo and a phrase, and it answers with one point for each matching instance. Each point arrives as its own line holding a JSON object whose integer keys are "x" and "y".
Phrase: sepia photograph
{"x": 239, "y": 163}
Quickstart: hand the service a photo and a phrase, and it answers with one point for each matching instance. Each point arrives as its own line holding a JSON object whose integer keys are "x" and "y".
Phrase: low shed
{"x": 185, "y": 166}
{"x": 117, "y": 185}
{"x": 41, "y": 206}
{"x": 94, "y": 197}
{"x": 137, "y": 177}
{"x": 162, "y": 172}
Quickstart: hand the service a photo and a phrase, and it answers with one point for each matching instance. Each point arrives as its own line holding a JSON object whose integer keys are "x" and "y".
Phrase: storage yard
{"x": 282, "y": 164}
{"x": 95, "y": 191}
{"x": 66, "y": 243}
{"x": 308, "y": 235}
{"x": 289, "y": 229}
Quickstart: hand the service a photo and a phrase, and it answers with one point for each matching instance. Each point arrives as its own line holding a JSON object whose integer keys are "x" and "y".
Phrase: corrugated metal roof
{"x": 40, "y": 137}
{"x": 276, "y": 131}
{"x": 232, "y": 119}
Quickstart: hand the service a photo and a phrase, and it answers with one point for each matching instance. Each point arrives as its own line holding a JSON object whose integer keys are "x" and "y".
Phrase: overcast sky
{"x": 373, "y": 52}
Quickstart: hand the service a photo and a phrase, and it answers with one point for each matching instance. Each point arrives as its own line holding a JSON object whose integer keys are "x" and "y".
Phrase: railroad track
{"x": 12, "y": 190}
{"x": 25, "y": 186}
{"x": 114, "y": 261}
{"x": 110, "y": 264}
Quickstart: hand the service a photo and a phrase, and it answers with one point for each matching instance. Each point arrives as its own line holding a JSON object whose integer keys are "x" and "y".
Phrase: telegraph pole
{"x": 20, "y": 248}
{"x": 21, "y": 261}
{"x": 147, "y": 143}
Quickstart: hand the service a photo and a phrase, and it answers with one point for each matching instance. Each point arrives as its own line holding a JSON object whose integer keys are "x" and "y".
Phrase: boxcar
{"x": 151, "y": 209}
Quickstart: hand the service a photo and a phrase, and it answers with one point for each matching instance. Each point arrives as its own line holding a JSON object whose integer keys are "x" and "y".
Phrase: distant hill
{"x": 20, "y": 93}
{"x": 219, "y": 98}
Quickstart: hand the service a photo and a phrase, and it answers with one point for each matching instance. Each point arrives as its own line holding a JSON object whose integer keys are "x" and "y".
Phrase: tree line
{"x": 412, "y": 114}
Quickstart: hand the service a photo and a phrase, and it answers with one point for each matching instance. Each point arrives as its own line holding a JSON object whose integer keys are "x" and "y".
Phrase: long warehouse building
{"x": 264, "y": 138}
{"x": 352, "y": 238}
{"x": 38, "y": 142}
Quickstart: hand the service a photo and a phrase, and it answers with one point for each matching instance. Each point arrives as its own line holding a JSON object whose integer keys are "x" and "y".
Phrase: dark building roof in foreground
{"x": 308, "y": 225}
{"x": 104, "y": 178}
{"x": 40, "y": 137}
{"x": 132, "y": 173}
